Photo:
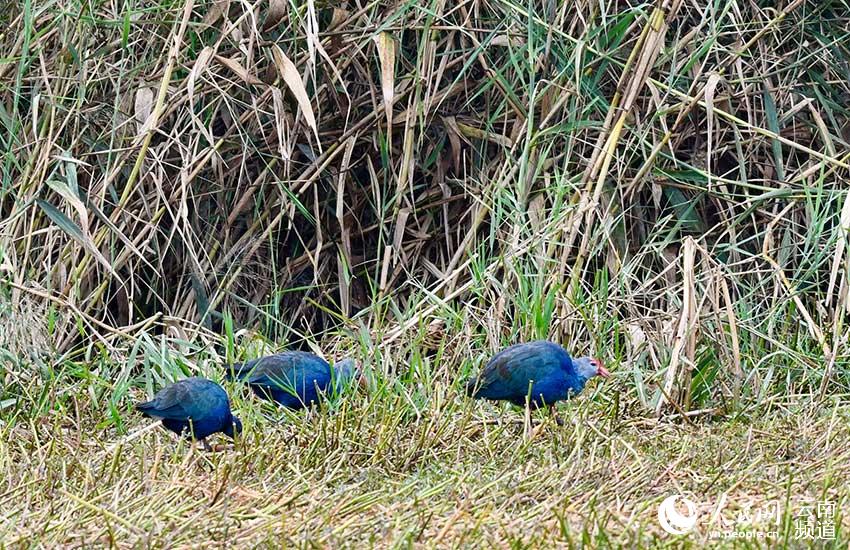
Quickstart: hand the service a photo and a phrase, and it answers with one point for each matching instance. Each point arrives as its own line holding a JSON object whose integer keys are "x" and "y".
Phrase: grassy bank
{"x": 416, "y": 464}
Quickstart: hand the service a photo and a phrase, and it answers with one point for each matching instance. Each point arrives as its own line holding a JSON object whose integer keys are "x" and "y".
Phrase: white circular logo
{"x": 672, "y": 521}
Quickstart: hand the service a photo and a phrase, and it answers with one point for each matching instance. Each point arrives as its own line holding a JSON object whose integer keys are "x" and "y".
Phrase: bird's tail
{"x": 145, "y": 408}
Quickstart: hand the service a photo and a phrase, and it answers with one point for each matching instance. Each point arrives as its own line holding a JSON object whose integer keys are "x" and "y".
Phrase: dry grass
{"x": 661, "y": 184}
{"x": 375, "y": 475}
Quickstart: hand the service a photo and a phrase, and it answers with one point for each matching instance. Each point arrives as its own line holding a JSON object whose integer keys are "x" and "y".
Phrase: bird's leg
{"x": 558, "y": 420}
{"x": 527, "y": 419}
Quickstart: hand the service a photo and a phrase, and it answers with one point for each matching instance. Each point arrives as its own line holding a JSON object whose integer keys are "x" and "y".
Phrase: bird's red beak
{"x": 602, "y": 371}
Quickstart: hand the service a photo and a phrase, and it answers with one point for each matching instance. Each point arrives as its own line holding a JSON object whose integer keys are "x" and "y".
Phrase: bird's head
{"x": 348, "y": 369}
{"x": 589, "y": 367}
{"x": 234, "y": 428}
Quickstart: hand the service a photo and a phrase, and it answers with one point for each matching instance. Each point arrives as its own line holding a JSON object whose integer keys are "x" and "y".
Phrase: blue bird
{"x": 194, "y": 406}
{"x": 541, "y": 372}
{"x": 294, "y": 379}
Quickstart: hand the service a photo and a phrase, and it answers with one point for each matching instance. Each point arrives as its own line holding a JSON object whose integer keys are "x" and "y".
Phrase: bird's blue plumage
{"x": 293, "y": 379}
{"x": 195, "y": 406}
{"x": 541, "y": 371}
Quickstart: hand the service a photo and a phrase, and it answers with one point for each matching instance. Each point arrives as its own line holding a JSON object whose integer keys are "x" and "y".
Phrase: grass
{"x": 419, "y": 184}
{"x": 410, "y": 463}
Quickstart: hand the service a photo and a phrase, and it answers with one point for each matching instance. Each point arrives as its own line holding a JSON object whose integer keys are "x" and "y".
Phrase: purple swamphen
{"x": 541, "y": 372}
{"x": 294, "y": 379}
{"x": 195, "y": 407}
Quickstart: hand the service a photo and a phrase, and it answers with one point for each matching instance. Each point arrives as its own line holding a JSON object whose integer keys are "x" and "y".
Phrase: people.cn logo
{"x": 674, "y": 522}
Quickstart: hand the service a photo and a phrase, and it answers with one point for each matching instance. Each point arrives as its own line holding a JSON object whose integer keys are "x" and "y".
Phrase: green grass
{"x": 662, "y": 189}
{"x": 402, "y": 463}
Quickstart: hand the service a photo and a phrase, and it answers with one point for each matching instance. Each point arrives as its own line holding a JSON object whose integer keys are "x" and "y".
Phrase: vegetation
{"x": 661, "y": 184}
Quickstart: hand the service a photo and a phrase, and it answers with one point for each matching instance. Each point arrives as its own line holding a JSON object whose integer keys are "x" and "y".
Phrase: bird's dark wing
{"x": 282, "y": 369}
{"x": 190, "y": 398}
{"x": 169, "y": 402}
{"x": 509, "y": 373}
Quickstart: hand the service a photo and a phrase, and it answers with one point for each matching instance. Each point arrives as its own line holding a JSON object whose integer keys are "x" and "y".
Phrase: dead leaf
{"x": 239, "y": 70}
{"x": 143, "y": 108}
{"x": 277, "y": 10}
{"x": 476, "y": 133}
{"x": 386, "y": 53}
{"x": 401, "y": 223}
{"x": 505, "y": 40}
{"x": 710, "y": 88}
{"x": 200, "y": 66}
{"x": 537, "y": 212}
{"x": 65, "y": 192}
{"x": 280, "y": 122}
{"x": 290, "y": 75}
{"x": 636, "y": 337}
{"x": 216, "y": 11}
{"x": 339, "y": 17}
